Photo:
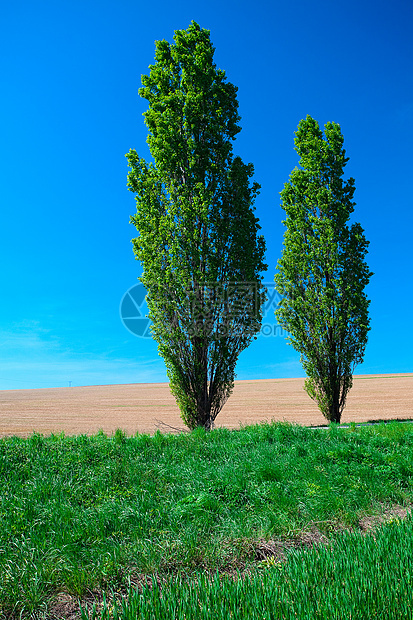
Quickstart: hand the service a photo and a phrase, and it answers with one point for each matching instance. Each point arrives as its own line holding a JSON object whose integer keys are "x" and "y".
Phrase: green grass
{"x": 96, "y": 513}
{"x": 358, "y": 577}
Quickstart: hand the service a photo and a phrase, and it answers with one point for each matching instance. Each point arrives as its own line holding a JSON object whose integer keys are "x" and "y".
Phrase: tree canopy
{"x": 198, "y": 239}
{"x": 322, "y": 273}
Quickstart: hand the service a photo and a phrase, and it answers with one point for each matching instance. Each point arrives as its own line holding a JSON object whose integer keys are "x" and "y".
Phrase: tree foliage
{"x": 322, "y": 273}
{"x": 198, "y": 238}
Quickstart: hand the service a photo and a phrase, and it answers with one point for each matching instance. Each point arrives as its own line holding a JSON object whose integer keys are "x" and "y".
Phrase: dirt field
{"x": 146, "y": 407}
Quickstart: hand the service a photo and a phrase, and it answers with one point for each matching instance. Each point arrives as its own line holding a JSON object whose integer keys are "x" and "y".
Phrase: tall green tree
{"x": 322, "y": 273}
{"x": 198, "y": 238}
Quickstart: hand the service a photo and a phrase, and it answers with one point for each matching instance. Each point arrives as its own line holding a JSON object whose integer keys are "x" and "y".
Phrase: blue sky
{"x": 70, "y": 110}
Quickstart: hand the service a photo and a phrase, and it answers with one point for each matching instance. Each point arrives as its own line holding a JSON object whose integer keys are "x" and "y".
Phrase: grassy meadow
{"x": 208, "y": 525}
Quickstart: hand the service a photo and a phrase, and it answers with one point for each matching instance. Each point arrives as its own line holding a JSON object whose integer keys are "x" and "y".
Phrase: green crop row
{"x": 358, "y": 577}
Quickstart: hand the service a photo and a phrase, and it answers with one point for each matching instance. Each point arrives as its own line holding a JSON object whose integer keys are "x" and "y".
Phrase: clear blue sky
{"x": 70, "y": 111}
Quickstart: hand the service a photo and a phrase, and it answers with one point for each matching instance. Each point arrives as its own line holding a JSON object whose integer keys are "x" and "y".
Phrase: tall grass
{"x": 83, "y": 513}
{"x": 357, "y": 577}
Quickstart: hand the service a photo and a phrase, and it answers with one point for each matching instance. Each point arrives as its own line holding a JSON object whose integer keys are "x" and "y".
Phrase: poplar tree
{"x": 322, "y": 273}
{"x": 198, "y": 238}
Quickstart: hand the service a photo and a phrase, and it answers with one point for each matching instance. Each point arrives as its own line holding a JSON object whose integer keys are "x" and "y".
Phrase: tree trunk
{"x": 334, "y": 412}
{"x": 335, "y": 408}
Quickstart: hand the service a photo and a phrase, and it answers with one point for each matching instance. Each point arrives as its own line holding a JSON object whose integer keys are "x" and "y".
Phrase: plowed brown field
{"x": 145, "y": 407}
